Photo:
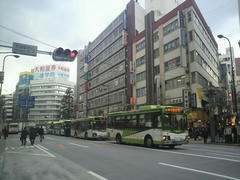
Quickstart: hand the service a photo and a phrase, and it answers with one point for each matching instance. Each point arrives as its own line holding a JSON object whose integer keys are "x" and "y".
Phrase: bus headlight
{"x": 164, "y": 138}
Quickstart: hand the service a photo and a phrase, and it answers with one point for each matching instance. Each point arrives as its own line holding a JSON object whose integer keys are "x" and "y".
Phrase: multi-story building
{"x": 22, "y": 89}
{"x": 49, "y": 86}
{"x": 175, "y": 57}
{"x": 104, "y": 66}
{"x": 8, "y": 108}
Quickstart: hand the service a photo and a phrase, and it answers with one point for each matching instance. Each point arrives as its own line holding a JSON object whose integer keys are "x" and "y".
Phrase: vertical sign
{"x": 186, "y": 98}
{"x": 199, "y": 99}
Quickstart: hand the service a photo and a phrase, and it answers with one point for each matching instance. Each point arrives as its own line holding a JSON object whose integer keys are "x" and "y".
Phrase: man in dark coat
{"x": 5, "y": 133}
{"x": 32, "y": 135}
{"x": 24, "y": 136}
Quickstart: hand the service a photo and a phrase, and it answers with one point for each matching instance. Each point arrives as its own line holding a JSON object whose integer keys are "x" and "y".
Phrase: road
{"x": 60, "y": 157}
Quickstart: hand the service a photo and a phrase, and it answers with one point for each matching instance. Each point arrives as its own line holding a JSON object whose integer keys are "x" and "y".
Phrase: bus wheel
{"x": 148, "y": 142}
{"x": 171, "y": 146}
{"x": 118, "y": 139}
{"x": 85, "y": 135}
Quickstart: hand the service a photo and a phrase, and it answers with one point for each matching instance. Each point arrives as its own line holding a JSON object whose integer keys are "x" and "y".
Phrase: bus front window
{"x": 174, "y": 122}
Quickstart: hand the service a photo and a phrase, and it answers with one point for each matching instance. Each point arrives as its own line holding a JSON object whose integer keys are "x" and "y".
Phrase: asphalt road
{"x": 60, "y": 157}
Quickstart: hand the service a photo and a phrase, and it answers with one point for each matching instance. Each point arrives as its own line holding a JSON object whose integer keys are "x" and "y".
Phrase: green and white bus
{"x": 92, "y": 127}
{"x": 149, "y": 125}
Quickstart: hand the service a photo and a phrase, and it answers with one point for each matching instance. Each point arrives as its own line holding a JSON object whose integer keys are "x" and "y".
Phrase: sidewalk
{"x": 2, "y": 148}
{"x": 200, "y": 141}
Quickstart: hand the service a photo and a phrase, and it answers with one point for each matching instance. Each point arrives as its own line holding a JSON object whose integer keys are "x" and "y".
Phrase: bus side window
{"x": 159, "y": 121}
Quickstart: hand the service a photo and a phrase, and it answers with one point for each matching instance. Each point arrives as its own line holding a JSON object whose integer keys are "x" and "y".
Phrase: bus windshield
{"x": 174, "y": 122}
{"x": 99, "y": 125}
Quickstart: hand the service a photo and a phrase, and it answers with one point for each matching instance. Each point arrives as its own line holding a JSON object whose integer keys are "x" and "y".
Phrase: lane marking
{"x": 238, "y": 154}
{"x": 96, "y": 175}
{"x": 225, "y": 155}
{"x": 49, "y": 138}
{"x": 6, "y": 148}
{"x": 198, "y": 155}
{"x": 50, "y": 154}
{"x": 14, "y": 152}
{"x": 78, "y": 145}
{"x": 199, "y": 171}
{"x": 42, "y": 147}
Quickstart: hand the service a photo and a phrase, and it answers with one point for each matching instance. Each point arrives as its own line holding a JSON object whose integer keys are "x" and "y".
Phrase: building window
{"x": 155, "y": 53}
{"x": 141, "y": 92}
{"x": 190, "y": 36}
{"x": 202, "y": 81}
{"x": 155, "y": 37}
{"x": 140, "y": 46}
{"x": 172, "y": 64}
{"x": 189, "y": 15}
{"x": 192, "y": 56}
{"x": 156, "y": 70}
{"x": 171, "y": 45}
{"x": 175, "y": 83}
{"x": 140, "y": 61}
{"x": 193, "y": 77}
{"x": 170, "y": 27}
{"x": 141, "y": 76}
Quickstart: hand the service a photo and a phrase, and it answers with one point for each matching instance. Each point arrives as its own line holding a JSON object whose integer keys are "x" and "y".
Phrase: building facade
{"x": 49, "y": 86}
{"x": 104, "y": 70}
{"x": 8, "y": 108}
{"x": 175, "y": 59}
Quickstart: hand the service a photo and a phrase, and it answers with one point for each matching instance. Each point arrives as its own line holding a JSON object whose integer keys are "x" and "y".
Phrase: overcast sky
{"x": 73, "y": 23}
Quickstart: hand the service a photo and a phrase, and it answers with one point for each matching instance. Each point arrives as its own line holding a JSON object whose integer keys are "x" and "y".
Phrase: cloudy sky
{"x": 73, "y": 23}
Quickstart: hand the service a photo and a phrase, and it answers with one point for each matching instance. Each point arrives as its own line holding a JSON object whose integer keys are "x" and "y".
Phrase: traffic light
{"x": 60, "y": 54}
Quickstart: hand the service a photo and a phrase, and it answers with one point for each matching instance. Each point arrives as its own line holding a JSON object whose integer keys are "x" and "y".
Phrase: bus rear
{"x": 13, "y": 128}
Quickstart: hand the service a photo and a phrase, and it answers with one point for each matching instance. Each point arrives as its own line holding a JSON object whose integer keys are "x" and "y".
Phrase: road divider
{"x": 198, "y": 171}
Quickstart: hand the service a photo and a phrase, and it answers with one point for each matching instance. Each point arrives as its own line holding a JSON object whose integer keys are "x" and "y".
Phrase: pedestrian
{"x": 41, "y": 132}
{"x": 205, "y": 134}
{"x": 23, "y": 137}
{"x": 5, "y": 133}
{"x": 228, "y": 134}
{"x": 32, "y": 135}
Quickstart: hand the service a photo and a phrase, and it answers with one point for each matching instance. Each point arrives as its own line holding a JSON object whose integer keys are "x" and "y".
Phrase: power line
{"x": 23, "y": 35}
{"x": 5, "y": 41}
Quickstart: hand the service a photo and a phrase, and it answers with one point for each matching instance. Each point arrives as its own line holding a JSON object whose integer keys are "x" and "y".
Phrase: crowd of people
{"x": 32, "y": 132}
{"x": 226, "y": 134}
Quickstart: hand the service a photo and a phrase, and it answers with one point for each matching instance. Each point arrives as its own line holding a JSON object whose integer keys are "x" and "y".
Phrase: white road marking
{"x": 214, "y": 151}
{"x": 6, "y": 148}
{"x": 199, "y": 171}
{"x": 49, "y": 138}
{"x": 96, "y": 175}
{"x": 50, "y": 154}
{"x": 12, "y": 148}
{"x": 42, "y": 147}
{"x": 225, "y": 155}
{"x": 198, "y": 155}
{"x": 79, "y": 145}
{"x": 25, "y": 153}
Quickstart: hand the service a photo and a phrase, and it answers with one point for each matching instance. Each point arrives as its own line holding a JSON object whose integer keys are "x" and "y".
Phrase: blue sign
{"x": 26, "y": 101}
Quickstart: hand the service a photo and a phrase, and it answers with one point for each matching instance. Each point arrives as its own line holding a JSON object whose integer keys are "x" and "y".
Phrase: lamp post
{"x": 233, "y": 77}
{"x": 16, "y": 56}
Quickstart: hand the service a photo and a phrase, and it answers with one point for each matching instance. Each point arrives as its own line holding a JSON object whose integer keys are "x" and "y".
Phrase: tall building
{"x": 22, "y": 89}
{"x": 8, "y": 108}
{"x": 104, "y": 70}
{"x": 175, "y": 58}
{"x": 49, "y": 86}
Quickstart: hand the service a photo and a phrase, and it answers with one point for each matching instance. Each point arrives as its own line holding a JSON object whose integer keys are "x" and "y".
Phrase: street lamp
{"x": 16, "y": 56}
{"x": 233, "y": 77}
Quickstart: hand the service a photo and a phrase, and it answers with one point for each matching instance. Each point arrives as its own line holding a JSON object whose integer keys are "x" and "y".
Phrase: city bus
{"x": 149, "y": 125}
{"x": 92, "y": 127}
{"x": 13, "y": 128}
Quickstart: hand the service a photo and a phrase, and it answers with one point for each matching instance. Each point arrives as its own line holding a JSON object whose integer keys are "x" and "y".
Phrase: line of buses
{"x": 148, "y": 125}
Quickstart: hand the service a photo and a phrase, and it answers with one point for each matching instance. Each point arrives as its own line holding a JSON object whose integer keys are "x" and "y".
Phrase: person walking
{"x": 23, "y": 137}
{"x": 5, "y": 133}
{"x": 41, "y": 133}
{"x": 205, "y": 134}
{"x": 32, "y": 135}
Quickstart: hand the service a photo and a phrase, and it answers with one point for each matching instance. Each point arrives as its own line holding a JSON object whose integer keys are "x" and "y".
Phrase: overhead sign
{"x": 26, "y": 101}
{"x": 24, "y": 49}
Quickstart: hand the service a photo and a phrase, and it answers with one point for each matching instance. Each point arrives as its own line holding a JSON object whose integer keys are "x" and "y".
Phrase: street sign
{"x": 26, "y": 101}
{"x": 24, "y": 49}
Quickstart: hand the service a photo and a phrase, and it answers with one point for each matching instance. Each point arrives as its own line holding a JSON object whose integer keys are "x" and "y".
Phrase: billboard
{"x": 24, "y": 79}
{"x": 51, "y": 71}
